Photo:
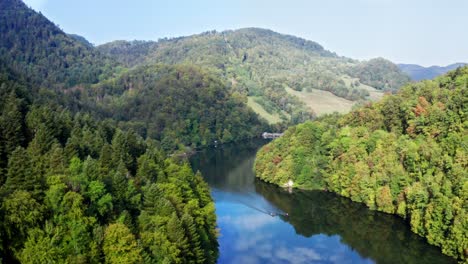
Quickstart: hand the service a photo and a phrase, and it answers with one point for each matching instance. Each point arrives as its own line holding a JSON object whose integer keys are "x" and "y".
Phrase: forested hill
{"x": 266, "y": 66}
{"x": 77, "y": 190}
{"x": 181, "y": 105}
{"x": 37, "y": 48}
{"x": 406, "y": 154}
{"x": 78, "y": 184}
{"x": 417, "y": 72}
{"x": 178, "y": 105}
{"x": 137, "y": 52}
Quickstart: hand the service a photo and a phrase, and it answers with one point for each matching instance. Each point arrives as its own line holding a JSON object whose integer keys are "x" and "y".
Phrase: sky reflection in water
{"x": 321, "y": 227}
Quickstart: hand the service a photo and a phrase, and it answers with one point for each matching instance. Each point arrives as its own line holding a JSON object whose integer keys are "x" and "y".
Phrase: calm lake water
{"x": 321, "y": 227}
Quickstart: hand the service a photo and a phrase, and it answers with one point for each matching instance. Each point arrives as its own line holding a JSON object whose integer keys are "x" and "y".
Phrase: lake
{"x": 320, "y": 227}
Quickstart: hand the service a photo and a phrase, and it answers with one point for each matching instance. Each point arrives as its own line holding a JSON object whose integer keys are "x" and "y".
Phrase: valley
{"x": 149, "y": 151}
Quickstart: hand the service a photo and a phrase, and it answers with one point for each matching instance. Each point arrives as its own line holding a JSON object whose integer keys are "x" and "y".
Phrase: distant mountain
{"x": 279, "y": 74}
{"x": 263, "y": 64}
{"x": 417, "y": 72}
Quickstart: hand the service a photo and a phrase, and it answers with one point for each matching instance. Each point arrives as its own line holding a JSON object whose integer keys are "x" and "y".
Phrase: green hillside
{"x": 261, "y": 63}
{"x": 76, "y": 190}
{"x": 406, "y": 154}
{"x": 181, "y": 105}
{"x": 177, "y": 105}
{"x": 32, "y": 45}
{"x": 87, "y": 134}
{"x": 81, "y": 181}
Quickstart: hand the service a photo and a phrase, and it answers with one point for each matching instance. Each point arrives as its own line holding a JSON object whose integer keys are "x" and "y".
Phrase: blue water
{"x": 320, "y": 227}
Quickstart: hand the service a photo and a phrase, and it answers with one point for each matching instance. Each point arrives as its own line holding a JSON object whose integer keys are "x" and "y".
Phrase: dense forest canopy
{"x": 31, "y": 44}
{"x": 86, "y": 132}
{"x": 261, "y": 63}
{"x": 77, "y": 190}
{"x": 406, "y": 154}
{"x": 182, "y": 105}
{"x": 78, "y": 184}
{"x": 179, "y": 105}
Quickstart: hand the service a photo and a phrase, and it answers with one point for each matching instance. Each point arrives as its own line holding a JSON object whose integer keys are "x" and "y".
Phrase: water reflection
{"x": 321, "y": 227}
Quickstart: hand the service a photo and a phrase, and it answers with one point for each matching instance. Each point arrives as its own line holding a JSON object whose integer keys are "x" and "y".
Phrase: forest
{"x": 90, "y": 137}
{"x": 77, "y": 185}
{"x": 260, "y": 63}
{"x": 77, "y": 190}
{"x": 32, "y": 44}
{"x": 181, "y": 105}
{"x": 406, "y": 155}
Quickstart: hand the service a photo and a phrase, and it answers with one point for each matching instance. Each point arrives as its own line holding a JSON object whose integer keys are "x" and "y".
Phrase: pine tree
{"x": 22, "y": 175}
{"x": 12, "y": 124}
{"x": 55, "y": 160}
{"x": 176, "y": 234}
{"x": 196, "y": 251}
{"x": 105, "y": 162}
{"x": 119, "y": 186}
{"x": 120, "y": 150}
{"x": 148, "y": 169}
{"x": 120, "y": 245}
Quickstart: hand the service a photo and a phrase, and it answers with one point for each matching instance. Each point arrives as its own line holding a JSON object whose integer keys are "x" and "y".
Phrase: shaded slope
{"x": 37, "y": 48}
{"x": 77, "y": 190}
{"x": 178, "y": 105}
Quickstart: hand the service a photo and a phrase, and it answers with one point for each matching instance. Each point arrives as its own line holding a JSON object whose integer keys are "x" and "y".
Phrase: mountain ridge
{"x": 33, "y": 44}
{"x": 261, "y": 64}
{"x": 418, "y": 72}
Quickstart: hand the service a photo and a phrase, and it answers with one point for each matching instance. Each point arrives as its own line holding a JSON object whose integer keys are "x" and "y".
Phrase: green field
{"x": 270, "y": 118}
{"x": 322, "y": 102}
{"x": 374, "y": 94}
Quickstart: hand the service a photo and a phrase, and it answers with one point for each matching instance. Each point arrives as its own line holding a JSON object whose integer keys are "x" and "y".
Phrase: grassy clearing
{"x": 271, "y": 119}
{"x": 323, "y": 102}
{"x": 374, "y": 94}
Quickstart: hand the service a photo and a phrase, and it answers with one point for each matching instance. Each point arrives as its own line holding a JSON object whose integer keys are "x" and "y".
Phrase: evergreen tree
{"x": 119, "y": 186}
{"x": 22, "y": 175}
{"x": 12, "y": 124}
{"x": 120, "y": 245}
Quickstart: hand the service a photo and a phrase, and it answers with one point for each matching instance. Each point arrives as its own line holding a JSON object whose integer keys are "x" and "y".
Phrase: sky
{"x": 425, "y": 32}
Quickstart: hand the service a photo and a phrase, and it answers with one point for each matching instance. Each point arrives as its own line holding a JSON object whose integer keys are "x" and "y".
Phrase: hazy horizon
{"x": 404, "y": 32}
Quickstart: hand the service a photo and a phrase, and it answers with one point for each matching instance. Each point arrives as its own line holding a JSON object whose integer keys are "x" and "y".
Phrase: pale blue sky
{"x": 425, "y": 32}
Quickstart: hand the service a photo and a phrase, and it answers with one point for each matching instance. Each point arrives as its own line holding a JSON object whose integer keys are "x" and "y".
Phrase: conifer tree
{"x": 120, "y": 245}
{"x": 12, "y": 124}
{"x": 22, "y": 175}
{"x": 119, "y": 186}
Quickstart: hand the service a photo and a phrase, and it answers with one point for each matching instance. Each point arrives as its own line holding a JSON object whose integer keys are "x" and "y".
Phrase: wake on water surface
{"x": 251, "y": 200}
